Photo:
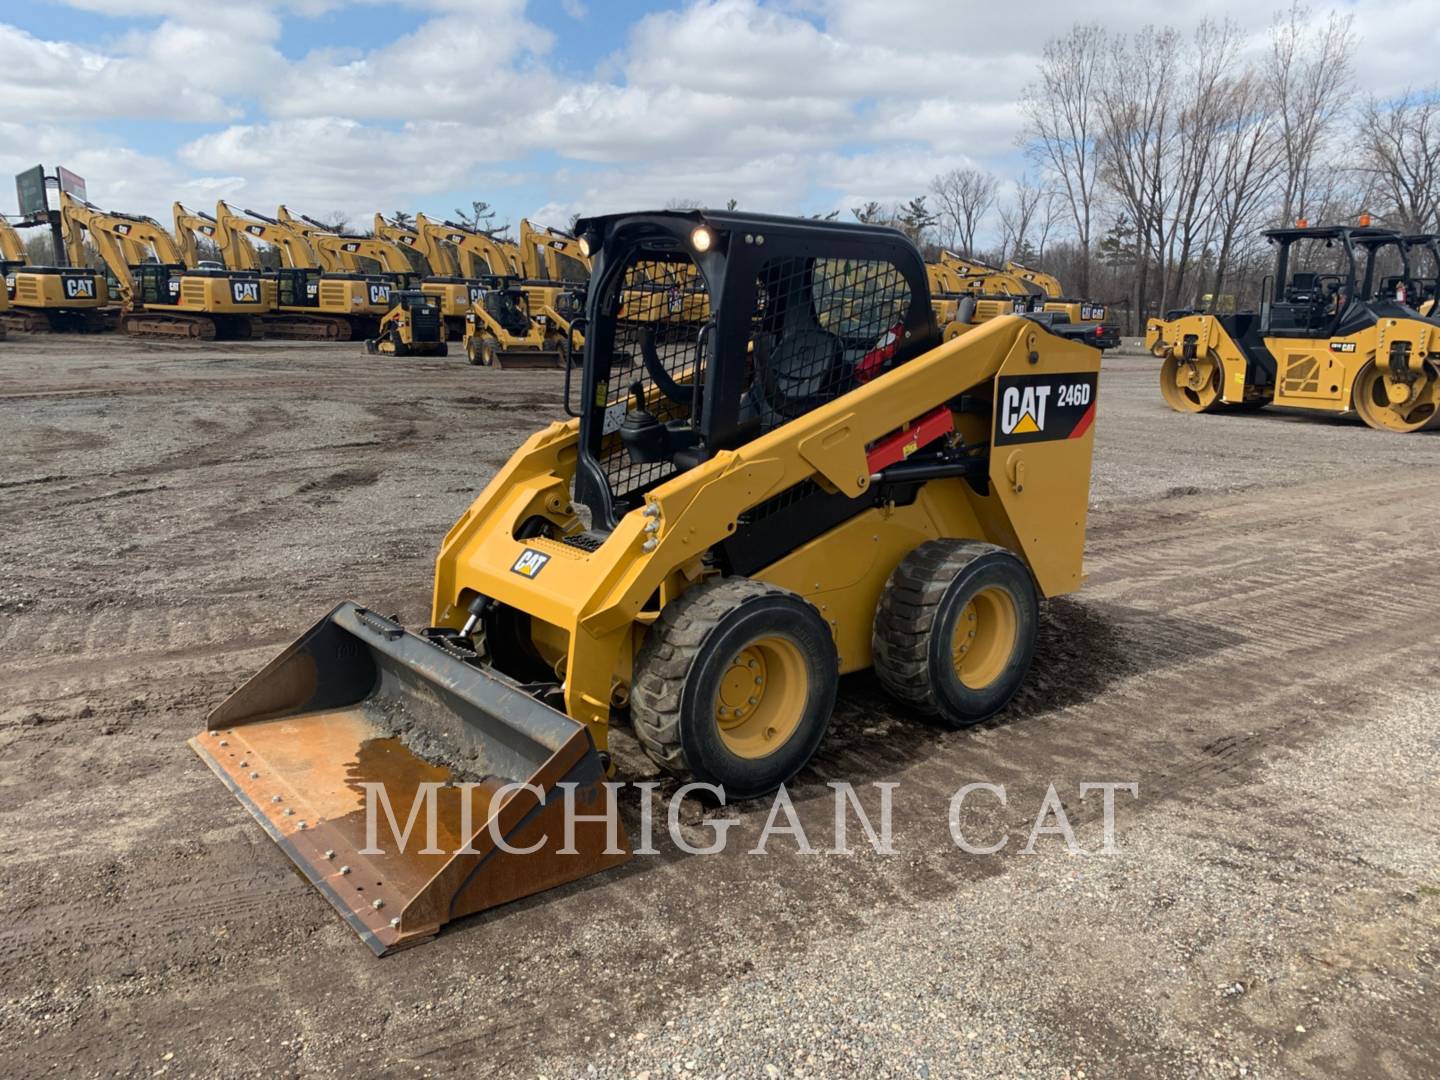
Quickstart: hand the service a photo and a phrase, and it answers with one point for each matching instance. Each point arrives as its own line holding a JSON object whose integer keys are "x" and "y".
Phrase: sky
{"x": 554, "y": 107}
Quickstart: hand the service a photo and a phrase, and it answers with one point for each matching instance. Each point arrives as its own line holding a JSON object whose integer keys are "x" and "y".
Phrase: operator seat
{"x": 1304, "y": 288}
{"x": 798, "y": 365}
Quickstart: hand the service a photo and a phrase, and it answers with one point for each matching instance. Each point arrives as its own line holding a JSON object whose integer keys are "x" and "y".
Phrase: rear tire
{"x": 734, "y": 685}
{"x": 955, "y": 630}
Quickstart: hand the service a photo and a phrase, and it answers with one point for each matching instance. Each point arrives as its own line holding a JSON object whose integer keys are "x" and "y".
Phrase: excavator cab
{"x": 1422, "y": 252}
{"x": 157, "y": 283}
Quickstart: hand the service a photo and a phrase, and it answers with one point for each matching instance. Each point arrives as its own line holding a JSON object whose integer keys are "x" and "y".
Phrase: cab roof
{"x": 1358, "y": 233}
{"x": 740, "y": 221}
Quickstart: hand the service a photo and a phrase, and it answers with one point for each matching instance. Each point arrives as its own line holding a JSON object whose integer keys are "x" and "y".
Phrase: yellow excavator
{"x": 71, "y": 299}
{"x": 805, "y": 482}
{"x": 555, "y": 268}
{"x": 341, "y": 253}
{"x": 980, "y": 277}
{"x": 159, "y": 295}
{"x": 1049, "y": 284}
{"x": 1322, "y": 338}
{"x": 959, "y": 307}
{"x": 310, "y": 303}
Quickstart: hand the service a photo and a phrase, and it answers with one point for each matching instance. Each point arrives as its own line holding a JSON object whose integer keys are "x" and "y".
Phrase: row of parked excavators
{"x": 409, "y": 288}
{"x": 510, "y": 304}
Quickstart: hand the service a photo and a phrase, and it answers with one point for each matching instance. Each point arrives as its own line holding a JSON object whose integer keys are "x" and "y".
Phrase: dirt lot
{"x": 1256, "y": 648}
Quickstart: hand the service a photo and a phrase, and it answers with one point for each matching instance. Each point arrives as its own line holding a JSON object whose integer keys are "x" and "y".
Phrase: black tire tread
{"x": 906, "y": 613}
{"x": 666, "y": 656}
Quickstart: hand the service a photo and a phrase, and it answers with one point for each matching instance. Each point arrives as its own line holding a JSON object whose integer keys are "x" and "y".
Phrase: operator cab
{"x": 505, "y": 301}
{"x": 707, "y": 329}
{"x": 1326, "y": 296}
{"x": 1422, "y": 251}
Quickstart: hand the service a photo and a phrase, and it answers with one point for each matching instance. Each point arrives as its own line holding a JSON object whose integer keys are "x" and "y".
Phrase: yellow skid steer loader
{"x": 793, "y": 480}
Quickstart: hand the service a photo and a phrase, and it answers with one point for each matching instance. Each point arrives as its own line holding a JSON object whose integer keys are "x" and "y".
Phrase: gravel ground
{"x": 1248, "y": 650}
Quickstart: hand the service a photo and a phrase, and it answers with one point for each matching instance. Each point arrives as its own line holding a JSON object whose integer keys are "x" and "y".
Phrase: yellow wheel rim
{"x": 985, "y": 636}
{"x": 1389, "y": 406}
{"x": 1191, "y": 385}
{"x": 762, "y": 697}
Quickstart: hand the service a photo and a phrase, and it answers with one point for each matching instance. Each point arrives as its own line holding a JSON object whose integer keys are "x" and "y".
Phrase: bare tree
{"x": 1018, "y": 215}
{"x": 1248, "y": 160}
{"x": 1138, "y": 128}
{"x": 1203, "y": 96}
{"x": 966, "y": 197}
{"x": 1062, "y": 113}
{"x": 1311, "y": 83}
{"x": 337, "y": 221}
{"x": 1401, "y": 143}
{"x": 481, "y": 218}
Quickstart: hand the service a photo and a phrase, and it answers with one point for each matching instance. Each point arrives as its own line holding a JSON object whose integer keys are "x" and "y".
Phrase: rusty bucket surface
{"x": 347, "y": 707}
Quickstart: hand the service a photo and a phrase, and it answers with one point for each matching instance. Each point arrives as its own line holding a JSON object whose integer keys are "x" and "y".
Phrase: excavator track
{"x": 183, "y": 327}
{"x": 306, "y": 328}
{"x": 22, "y": 321}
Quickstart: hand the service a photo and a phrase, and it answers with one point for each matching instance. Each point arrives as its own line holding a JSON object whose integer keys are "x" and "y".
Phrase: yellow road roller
{"x": 1325, "y": 338}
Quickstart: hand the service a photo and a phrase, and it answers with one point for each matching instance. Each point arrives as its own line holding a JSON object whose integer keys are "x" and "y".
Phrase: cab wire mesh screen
{"x": 663, "y": 305}
{"x": 820, "y": 327}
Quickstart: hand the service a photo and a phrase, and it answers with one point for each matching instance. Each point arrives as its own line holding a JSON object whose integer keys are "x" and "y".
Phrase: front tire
{"x": 734, "y": 685}
{"x": 955, "y": 630}
{"x": 480, "y": 350}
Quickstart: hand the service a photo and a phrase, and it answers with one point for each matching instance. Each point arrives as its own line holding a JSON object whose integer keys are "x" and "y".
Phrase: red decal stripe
{"x": 1085, "y": 422}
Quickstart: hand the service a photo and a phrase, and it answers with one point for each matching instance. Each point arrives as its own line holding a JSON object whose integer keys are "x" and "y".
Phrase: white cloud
{"x": 784, "y": 105}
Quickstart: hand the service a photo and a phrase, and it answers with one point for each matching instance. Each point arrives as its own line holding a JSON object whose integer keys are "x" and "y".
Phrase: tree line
{"x": 1154, "y": 158}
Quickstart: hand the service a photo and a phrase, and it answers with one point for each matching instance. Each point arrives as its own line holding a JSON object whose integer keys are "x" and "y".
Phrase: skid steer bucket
{"x": 360, "y": 715}
{"x": 507, "y": 359}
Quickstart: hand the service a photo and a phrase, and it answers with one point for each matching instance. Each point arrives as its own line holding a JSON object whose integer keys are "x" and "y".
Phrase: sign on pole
{"x": 30, "y": 192}
{"x": 70, "y": 182}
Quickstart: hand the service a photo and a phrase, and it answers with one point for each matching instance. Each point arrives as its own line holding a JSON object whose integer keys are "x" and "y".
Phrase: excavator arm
{"x": 550, "y": 255}
{"x": 439, "y": 260}
{"x": 111, "y": 233}
{"x": 342, "y": 254}
{"x": 192, "y": 223}
{"x": 979, "y": 276}
{"x": 12, "y": 250}
{"x": 1049, "y": 283}
{"x": 479, "y": 255}
{"x": 295, "y": 251}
